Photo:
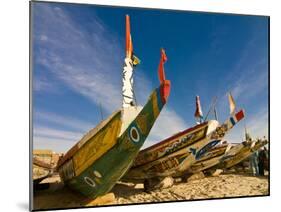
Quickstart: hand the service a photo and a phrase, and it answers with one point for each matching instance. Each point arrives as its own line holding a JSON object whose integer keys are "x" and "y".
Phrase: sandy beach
{"x": 225, "y": 185}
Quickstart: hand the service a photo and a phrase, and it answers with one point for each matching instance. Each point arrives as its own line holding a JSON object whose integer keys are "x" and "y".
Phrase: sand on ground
{"x": 226, "y": 185}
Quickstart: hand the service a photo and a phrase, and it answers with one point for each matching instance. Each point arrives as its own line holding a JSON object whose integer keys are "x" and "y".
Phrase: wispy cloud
{"x": 55, "y": 144}
{"x": 90, "y": 63}
{"x": 252, "y": 84}
{"x": 57, "y": 132}
{"x": 83, "y": 60}
{"x": 57, "y": 140}
{"x": 249, "y": 86}
{"x": 41, "y": 84}
{"x": 63, "y": 121}
{"x": 53, "y": 133}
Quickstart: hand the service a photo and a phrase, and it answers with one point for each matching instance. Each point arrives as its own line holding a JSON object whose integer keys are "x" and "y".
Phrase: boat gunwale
{"x": 173, "y": 137}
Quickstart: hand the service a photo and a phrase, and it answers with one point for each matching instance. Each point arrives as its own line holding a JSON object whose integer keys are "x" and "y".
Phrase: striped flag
{"x": 232, "y": 104}
{"x": 236, "y": 118}
{"x": 198, "y": 111}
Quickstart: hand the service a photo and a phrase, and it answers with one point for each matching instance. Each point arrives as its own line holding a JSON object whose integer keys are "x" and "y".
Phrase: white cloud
{"x": 42, "y": 84}
{"x": 63, "y": 121}
{"x": 54, "y": 133}
{"x": 54, "y": 139}
{"x": 55, "y": 144}
{"x": 84, "y": 61}
{"x": 250, "y": 86}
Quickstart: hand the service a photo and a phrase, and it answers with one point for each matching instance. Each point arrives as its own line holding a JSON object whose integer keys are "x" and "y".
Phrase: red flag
{"x": 198, "y": 111}
{"x": 161, "y": 72}
{"x": 240, "y": 115}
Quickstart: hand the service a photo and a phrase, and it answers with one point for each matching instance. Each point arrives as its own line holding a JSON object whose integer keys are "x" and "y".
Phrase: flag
{"x": 232, "y": 105}
{"x": 198, "y": 111}
{"x": 161, "y": 72}
{"x": 135, "y": 60}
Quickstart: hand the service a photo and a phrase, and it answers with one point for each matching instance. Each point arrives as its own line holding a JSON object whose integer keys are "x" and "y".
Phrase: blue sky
{"x": 78, "y": 53}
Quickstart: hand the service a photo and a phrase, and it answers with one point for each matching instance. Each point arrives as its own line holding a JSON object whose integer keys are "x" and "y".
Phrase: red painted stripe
{"x": 239, "y": 115}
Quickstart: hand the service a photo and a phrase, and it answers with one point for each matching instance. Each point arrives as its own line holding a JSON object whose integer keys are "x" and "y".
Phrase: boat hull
{"x": 212, "y": 158}
{"x": 99, "y": 176}
{"x": 179, "y": 162}
{"x": 243, "y": 151}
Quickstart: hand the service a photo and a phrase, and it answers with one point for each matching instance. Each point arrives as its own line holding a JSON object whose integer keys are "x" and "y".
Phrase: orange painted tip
{"x": 163, "y": 55}
{"x": 161, "y": 72}
{"x": 165, "y": 90}
{"x": 129, "y": 44}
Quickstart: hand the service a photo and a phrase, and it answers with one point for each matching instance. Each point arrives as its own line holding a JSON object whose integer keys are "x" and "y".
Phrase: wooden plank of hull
{"x": 99, "y": 176}
{"x": 179, "y": 162}
{"x": 41, "y": 163}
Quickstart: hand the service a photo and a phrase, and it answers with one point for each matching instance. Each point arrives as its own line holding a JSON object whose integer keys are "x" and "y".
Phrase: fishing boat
{"x": 211, "y": 158}
{"x": 40, "y": 170}
{"x": 104, "y": 154}
{"x": 175, "y": 155}
{"x": 43, "y": 163}
{"x": 240, "y": 152}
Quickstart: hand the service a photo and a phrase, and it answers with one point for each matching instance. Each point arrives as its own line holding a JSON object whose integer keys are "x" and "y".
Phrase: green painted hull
{"x": 99, "y": 177}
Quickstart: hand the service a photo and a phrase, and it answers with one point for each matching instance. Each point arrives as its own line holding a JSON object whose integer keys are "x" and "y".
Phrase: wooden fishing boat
{"x": 175, "y": 155}
{"x": 43, "y": 163}
{"x": 103, "y": 155}
{"x": 40, "y": 170}
{"x": 241, "y": 152}
{"x": 210, "y": 159}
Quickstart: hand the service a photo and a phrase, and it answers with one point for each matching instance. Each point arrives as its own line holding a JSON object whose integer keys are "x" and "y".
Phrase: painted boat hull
{"x": 172, "y": 144}
{"x": 169, "y": 155}
{"x": 39, "y": 174}
{"x": 98, "y": 176}
{"x": 240, "y": 153}
{"x": 178, "y": 162}
{"x": 211, "y": 159}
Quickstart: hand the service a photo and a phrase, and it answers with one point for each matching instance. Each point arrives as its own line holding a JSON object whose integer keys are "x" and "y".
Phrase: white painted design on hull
{"x": 97, "y": 174}
{"x": 90, "y": 182}
{"x": 134, "y": 134}
{"x": 128, "y": 82}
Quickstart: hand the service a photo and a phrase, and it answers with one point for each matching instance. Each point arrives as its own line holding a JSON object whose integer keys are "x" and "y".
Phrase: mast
{"x": 213, "y": 104}
{"x": 128, "y": 69}
{"x": 216, "y": 114}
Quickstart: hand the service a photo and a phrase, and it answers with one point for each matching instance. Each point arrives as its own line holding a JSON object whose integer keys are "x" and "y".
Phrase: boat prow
{"x": 102, "y": 156}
